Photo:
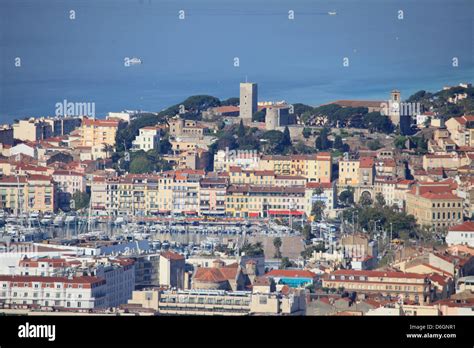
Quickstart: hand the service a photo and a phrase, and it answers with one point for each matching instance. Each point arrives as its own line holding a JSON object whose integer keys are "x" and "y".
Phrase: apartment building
{"x": 221, "y": 302}
{"x": 174, "y": 191}
{"x": 316, "y": 167}
{"x": 171, "y": 272}
{"x": 98, "y": 135}
{"x": 83, "y": 292}
{"x": 212, "y": 197}
{"x": 238, "y": 176}
{"x": 32, "y": 130}
{"x": 356, "y": 172}
{"x": 411, "y": 286}
{"x": 461, "y": 234}
{"x": 265, "y": 201}
{"x": 118, "y": 273}
{"x": 68, "y": 182}
{"x": 147, "y": 139}
{"x": 320, "y": 192}
{"x": 181, "y": 127}
{"x": 246, "y": 160}
{"x": 32, "y": 193}
{"x": 434, "y": 205}
{"x": 461, "y": 130}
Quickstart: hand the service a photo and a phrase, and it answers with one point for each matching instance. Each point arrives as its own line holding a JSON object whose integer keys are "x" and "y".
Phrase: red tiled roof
{"x": 366, "y": 162}
{"x": 172, "y": 256}
{"x": 215, "y": 275}
{"x": 224, "y": 109}
{"x": 467, "y": 226}
{"x": 359, "y": 103}
{"x": 46, "y": 279}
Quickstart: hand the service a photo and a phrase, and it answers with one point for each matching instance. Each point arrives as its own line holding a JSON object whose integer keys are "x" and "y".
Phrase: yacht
{"x": 135, "y": 60}
{"x": 58, "y": 220}
{"x": 332, "y": 13}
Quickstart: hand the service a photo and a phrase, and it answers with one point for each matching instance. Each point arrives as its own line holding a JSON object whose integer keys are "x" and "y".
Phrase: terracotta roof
{"x": 366, "y": 162}
{"x": 46, "y": 279}
{"x": 467, "y": 226}
{"x": 224, "y": 109}
{"x": 100, "y": 123}
{"x": 314, "y": 185}
{"x": 215, "y": 275}
{"x": 172, "y": 256}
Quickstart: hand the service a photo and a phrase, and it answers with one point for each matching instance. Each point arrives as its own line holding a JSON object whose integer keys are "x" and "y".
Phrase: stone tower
{"x": 248, "y": 101}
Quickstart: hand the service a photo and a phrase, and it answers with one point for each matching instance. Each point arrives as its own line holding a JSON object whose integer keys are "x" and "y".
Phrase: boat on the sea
{"x": 135, "y": 60}
{"x": 332, "y": 13}
{"x": 58, "y": 220}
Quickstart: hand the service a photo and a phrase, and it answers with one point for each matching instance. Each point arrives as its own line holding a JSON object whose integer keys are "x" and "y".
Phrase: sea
{"x": 53, "y": 51}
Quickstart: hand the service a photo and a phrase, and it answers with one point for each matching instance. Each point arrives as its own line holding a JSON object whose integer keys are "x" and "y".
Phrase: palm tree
{"x": 107, "y": 149}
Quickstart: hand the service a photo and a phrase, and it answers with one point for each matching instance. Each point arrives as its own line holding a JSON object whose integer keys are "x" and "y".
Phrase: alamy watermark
{"x": 401, "y": 108}
{"x": 66, "y": 108}
{"x": 17, "y": 249}
{"x": 232, "y": 155}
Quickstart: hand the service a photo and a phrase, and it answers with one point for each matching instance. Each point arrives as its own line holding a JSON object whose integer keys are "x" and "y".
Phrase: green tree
{"x": 286, "y": 139}
{"x": 338, "y": 144}
{"x": 241, "y": 130}
{"x": 277, "y": 243}
{"x": 286, "y": 263}
{"x": 140, "y": 165}
{"x": 318, "y": 210}
{"x": 306, "y": 231}
{"x": 250, "y": 249}
{"x": 347, "y": 196}
{"x": 379, "y": 199}
{"x": 322, "y": 141}
{"x": 81, "y": 200}
{"x": 399, "y": 142}
{"x": 306, "y": 132}
{"x": 365, "y": 200}
{"x": 374, "y": 144}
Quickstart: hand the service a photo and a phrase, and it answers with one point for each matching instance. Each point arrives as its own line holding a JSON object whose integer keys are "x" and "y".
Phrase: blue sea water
{"x": 300, "y": 60}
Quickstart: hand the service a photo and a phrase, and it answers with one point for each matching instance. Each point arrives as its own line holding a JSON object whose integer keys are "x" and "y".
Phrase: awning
{"x": 189, "y": 212}
{"x": 254, "y": 214}
{"x": 286, "y": 212}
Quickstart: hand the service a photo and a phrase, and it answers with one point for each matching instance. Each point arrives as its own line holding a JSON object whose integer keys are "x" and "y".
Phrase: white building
{"x": 148, "y": 139}
{"x": 461, "y": 234}
{"x": 118, "y": 273}
{"x": 24, "y": 149}
{"x": 67, "y": 292}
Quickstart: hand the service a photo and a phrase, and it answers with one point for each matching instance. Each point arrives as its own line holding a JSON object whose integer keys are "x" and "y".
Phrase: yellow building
{"x": 410, "y": 286}
{"x": 23, "y": 194}
{"x": 461, "y": 130}
{"x": 265, "y": 201}
{"x": 32, "y": 130}
{"x": 316, "y": 167}
{"x": 434, "y": 206}
{"x": 180, "y": 127}
{"x": 97, "y": 133}
{"x": 355, "y": 172}
{"x": 147, "y": 194}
